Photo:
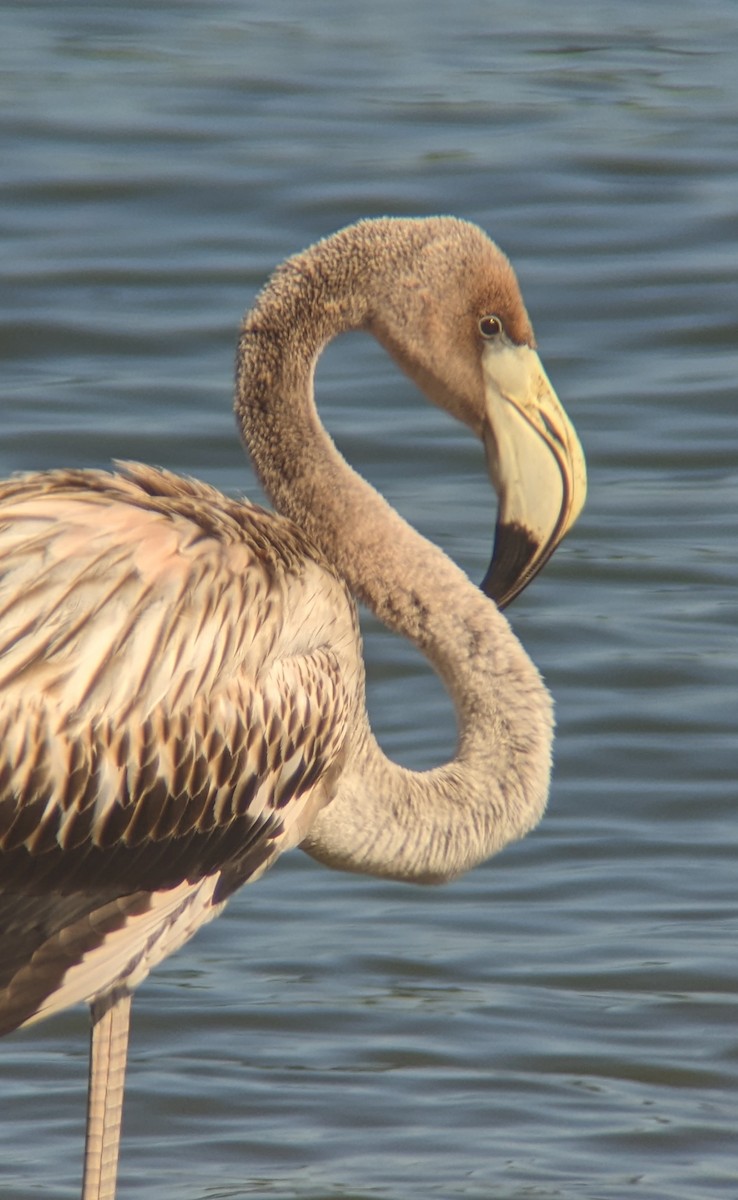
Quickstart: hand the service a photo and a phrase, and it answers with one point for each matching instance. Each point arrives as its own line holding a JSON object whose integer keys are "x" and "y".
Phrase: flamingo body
{"x": 176, "y": 675}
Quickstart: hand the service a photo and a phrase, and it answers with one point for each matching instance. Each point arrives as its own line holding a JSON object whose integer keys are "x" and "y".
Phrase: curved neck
{"x": 311, "y": 300}
{"x": 386, "y": 820}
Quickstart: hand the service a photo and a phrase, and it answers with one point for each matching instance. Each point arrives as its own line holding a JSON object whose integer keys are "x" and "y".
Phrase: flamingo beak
{"x": 536, "y": 465}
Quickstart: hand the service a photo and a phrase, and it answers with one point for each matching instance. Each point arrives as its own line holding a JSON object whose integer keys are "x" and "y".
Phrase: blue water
{"x": 562, "y": 1022}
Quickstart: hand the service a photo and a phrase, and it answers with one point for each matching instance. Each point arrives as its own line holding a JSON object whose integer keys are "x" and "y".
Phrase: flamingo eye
{"x": 490, "y": 326}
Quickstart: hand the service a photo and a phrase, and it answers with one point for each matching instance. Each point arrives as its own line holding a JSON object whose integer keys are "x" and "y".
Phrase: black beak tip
{"x": 514, "y": 550}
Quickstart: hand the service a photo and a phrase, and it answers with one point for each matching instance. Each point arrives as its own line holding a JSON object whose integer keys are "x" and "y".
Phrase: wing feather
{"x": 178, "y": 674}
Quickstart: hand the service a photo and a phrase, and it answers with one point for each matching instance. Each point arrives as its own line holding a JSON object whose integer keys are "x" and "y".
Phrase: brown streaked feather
{"x": 43, "y": 936}
{"x": 175, "y": 673}
{"x": 89, "y": 949}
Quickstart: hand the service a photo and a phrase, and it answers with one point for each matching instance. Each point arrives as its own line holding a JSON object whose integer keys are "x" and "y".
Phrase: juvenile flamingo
{"x": 181, "y": 674}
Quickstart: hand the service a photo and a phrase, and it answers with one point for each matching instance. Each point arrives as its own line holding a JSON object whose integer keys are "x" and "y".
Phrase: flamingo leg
{"x": 111, "y": 1016}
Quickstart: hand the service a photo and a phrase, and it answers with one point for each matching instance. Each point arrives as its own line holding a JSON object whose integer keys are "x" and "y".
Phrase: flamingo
{"x": 182, "y": 686}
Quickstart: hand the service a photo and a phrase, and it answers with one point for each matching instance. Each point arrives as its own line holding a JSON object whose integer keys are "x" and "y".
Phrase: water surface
{"x": 562, "y": 1022}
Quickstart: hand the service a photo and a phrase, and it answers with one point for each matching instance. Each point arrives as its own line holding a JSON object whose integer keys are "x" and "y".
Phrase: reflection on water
{"x": 561, "y": 1022}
